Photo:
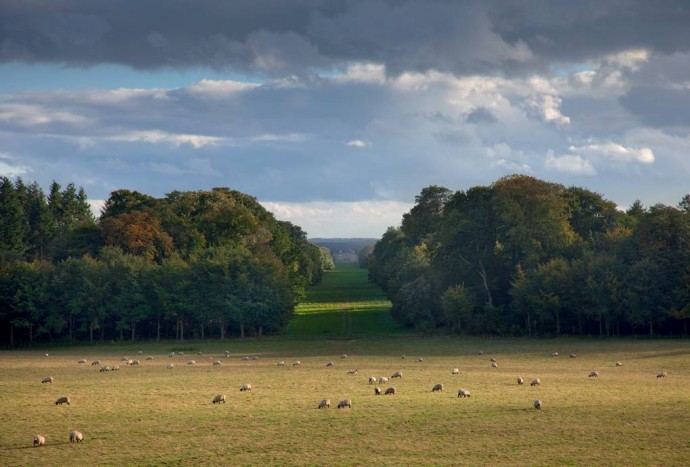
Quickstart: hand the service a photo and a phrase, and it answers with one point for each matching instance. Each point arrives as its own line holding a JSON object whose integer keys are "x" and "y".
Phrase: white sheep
{"x": 377, "y": 391}
{"x": 345, "y": 403}
{"x": 520, "y": 380}
{"x": 329, "y": 363}
{"x": 96, "y": 362}
{"x": 343, "y": 355}
{"x": 383, "y": 379}
{"x": 572, "y": 355}
{"x": 171, "y": 354}
{"x": 325, "y": 404}
{"x": 115, "y": 368}
{"x": 455, "y": 371}
{"x": 150, "y": 357}
{"x": 245, "y": 359}
{"x": 352, "y": 372}
{"x": 437, "y": 388}
{"x": 372, "y": 379}
{"x": 481, "y": 352}
{"x": 47, "y": 379}
{"x": 217, "y": 363}
{"x": 492, "y": 359}
{"x": 255, "y": 357}
{"x": 170, "y": 366}
{"x": 104, "y": 369}
{"x": 397, "y": 374}
{"x": 130, "y": 361}
{"x": 420, "y": 360}
{"x": 124, "y": 358}
{"x": 200, "y": 353}
{"x": 62, "y": 400}
{"x": 661, "y": 374}
{"x": 141, "y": 352}
{"x": 535, "y": 382}
{"x": 219, "y": 398}
{"x": 494, "y": 365}
{"x": 297, "y": 363}
{"x": 246, "y": 387}
{"x": 555, "y": 354}
{"x": 619, "y": 364}
{"x": 82, "y": 361}
{"x": 593, "y": 374}
{"x": 281, "y": 363}
{"x": 537, "y": 404}
{"x": 180, "y": 353}
{"x": 464, "y": 393}
{"x": 134, "y": 362}
{"x": 403, "y": 357}
{"x": 390, "y": 391}
{"x": 191, "y": 362}
{"x": 39, "y": 440}
{"x": 75, "y": 437}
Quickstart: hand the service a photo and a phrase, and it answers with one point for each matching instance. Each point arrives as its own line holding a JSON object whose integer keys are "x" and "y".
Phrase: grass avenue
{"x": 152, "y": 415}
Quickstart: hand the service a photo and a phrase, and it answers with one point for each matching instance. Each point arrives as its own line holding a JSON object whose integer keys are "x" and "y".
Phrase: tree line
{"x": 196, "y": 264}
{"x": 529, "y": 257}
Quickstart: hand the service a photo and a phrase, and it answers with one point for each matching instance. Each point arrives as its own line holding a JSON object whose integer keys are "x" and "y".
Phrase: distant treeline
{"x": 528, "y": 257}
{"x": 192, "y": 264}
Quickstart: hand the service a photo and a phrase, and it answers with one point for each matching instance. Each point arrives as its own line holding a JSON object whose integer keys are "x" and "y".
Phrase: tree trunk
{"x": 70, "y": 326}
{"x": 600, "y": 328}
{"x": 158, "y": 327}
{"x": 202, "y": 331}
{"x": 122, "y": 335}
{"x": 134, "y": 327}
{"x": 558, "y": 323}
{"x": 241, "y": 329}
{"x": 261, "y": 332}
{"x": 31, "y": 335}
{"x": 222, "y": 330}
{"x": 181, "y": 330}
{"x": 529, "y": 324}
{"x": 651, "y": 330}
{"x": 91, "y": 333}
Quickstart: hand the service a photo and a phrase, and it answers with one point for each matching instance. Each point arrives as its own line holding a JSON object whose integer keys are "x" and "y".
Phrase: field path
{"x": 344, "y": 305}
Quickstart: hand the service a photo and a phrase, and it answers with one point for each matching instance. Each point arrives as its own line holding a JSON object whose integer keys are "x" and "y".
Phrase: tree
{"x": 13, "y": 221}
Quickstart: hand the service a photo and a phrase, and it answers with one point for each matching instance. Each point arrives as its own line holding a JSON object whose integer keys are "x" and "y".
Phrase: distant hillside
{"x": 344, "y": 250}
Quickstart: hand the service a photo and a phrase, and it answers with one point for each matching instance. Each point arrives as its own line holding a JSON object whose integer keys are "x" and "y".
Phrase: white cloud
{"x": 548, "y": 107}
{"x": 341, "y": 219}
{"x": 175, "y": 140}
{"x": 616, "y": 152}
{"x": 569, "y": 163}
{"x": 367, "y": 73}
{"x": 358, "y": 143}
{"x": 9, "y": 168}
{"x": 28, "y": 115}
{"x": 223, "y": 88}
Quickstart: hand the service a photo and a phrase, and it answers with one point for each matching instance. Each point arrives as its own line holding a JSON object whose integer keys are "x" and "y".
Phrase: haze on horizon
{"x": 335, "y": 114}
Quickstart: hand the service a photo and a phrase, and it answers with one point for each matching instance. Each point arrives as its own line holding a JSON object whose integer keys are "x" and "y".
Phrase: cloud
{"x": 341, "y": 219}
{"x": 8, "y": 168}
{"x": 569, "y": 163}
{"x": 358, "y": 143}
{"x": 175, "y": 140}
{"x": 615, "y": 152}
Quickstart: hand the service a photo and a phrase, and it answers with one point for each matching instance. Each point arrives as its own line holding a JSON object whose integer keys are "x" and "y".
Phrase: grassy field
{"x": 344, "y": 305}
{"x": 150, "y": 415}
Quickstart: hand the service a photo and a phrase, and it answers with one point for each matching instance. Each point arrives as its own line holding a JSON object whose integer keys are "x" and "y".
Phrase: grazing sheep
{"x": 141, "y": 352}
{"x": 255, "y": 357}
{"x": 403, "y": 357}
{"x": 397, "y": 374}
{"x": 343, "y": 355}
{"x": 75, "y": 437}
{"x": 246, "y": 387}
{"x": 390, "y": 392}
{"x": 572, "y": 355}
{"x": 81, "y": 362}
{"x": 329, "y": 363}
{"x": 180, "y": 353}
{"x": 297, "y": 363}
{"x": 535, "y": 382}
{"x": 420, "y": 360}
{"x": 464, "y": 393}
{"x": 39, "y": 440}
{"x": 47, "y": 379}
{"x": 481, "y": 352}
{"x": 345, "y": 403}
{"x": 619, "y": 364}
{"x": 115, "y": 368}
{"x": 593, "y": 374}
{"x": 219, "y": 398}
{"x": 352, "y": 372}
{"x": 492, "y": 359}
{"x": 191, "y": 362}
{"x": 170, "y": 366}
{"x": 325, "y": 404}
{"x": 96, "y": 362}
{"x": 199, "y": 353}
{"x": 124, "y": 358}
{"x": 494, "y": 365}
{"x": 134, "y": 362}
{"x": 171, "y": 354}
{"x": 130, "y": 361}
{"x": 281, "y": 363}
{"x": 150, "y": 357}
{"x": 372, "y": 379}
{"x": 661, "y": 374}
{"x": 383, "y": 379}
{"x": 62, "y": 400}
{"x": 555, "y": 354}
{"x": 520, "y": 380}
{"x": 455, "y": 371}
{"x": 377, "y": 391}
{"x": 104, "y": 369}
{"x": 537, "y": 404}
{"x": 245, "y": 359}
{"x": 437, "y": 388}
{"x": 217, "y": 362}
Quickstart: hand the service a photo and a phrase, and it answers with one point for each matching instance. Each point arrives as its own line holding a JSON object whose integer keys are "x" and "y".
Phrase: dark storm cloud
{"x": 276, "y": 36}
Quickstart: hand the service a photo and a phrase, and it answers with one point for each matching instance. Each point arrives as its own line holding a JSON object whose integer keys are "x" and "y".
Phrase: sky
{"x": 335, "y": 114}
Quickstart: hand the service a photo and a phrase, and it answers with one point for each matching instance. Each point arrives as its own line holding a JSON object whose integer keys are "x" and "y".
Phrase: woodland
{"x": 527, "y": 257}
{"x": 201, "y": 264}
